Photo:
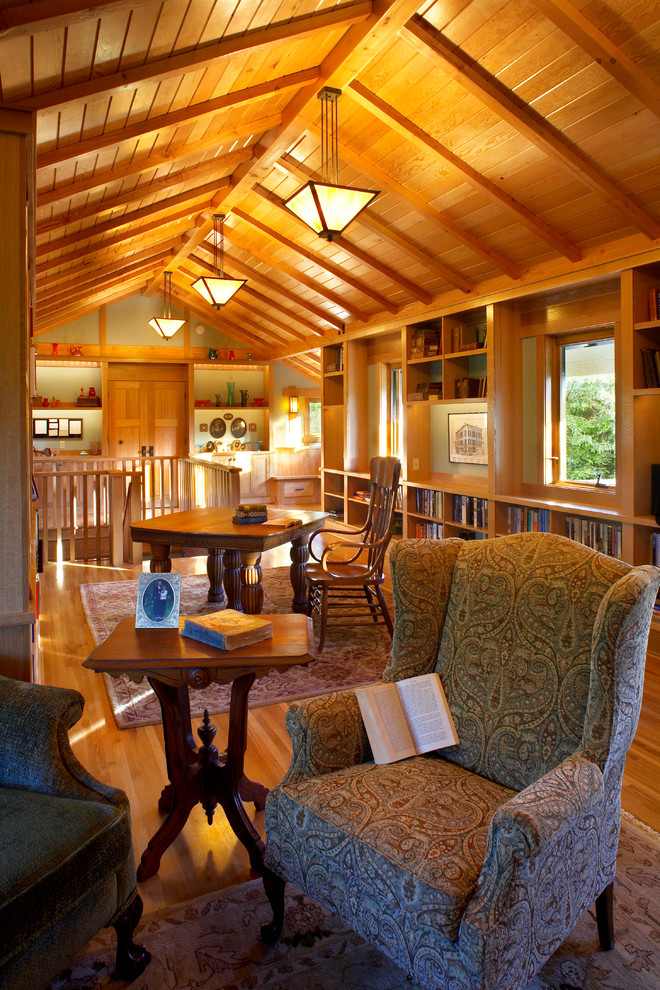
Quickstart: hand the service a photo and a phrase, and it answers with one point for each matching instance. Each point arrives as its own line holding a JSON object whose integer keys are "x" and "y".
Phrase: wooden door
{"x": 147, "y": 411}
{"x": 167, "y": 418}
{"x": 126, "y": 419}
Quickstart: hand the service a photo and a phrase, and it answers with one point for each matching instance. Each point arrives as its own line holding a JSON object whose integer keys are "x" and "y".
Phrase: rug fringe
{"x": 631, "y": 820}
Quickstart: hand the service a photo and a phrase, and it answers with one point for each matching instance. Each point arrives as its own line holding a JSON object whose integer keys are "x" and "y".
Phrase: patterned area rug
{"x": 213, "y": 943}
{"x": 352, "y": 656}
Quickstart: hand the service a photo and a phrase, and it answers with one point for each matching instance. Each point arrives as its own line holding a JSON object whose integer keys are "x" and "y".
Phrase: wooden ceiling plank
{"x": 368, "y": 219}
{"x": 360, "y": 43}
{"x": 88, "y": 235}
{"x": 106, "y": 265}
{"x": 206, "y": 191}
{"x": 165, "y": 121}
{"x": 278, "y": 32}
{"x": 98, "y": 297}
{"x": 45, "y": 15}
{"x": 609, "y": 56}
{"x": 64, "y": 316}
{"x": 356, "y": 252}
{"x": 437, "y": 217}
{"x": 150, "y": 163}
{"x": 410, "y": 131}
{"x": 524, "y": 120}
{"x": 131, "y": 217}
{"x": 317, "y": 260}
{"x": 67, "y": 289}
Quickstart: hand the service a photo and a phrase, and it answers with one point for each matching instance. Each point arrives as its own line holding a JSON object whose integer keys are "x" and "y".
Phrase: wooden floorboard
{"x": 206, "y": 858}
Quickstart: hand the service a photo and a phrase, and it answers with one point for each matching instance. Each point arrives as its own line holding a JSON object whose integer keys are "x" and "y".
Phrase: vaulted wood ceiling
{"x": 510, "y": 140}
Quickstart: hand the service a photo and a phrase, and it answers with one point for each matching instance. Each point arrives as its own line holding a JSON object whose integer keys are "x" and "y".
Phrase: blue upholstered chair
{"x": 469, "y": 866}
{"x": 66, "y": 852}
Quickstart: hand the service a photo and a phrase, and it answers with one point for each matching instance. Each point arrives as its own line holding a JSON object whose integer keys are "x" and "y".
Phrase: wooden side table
{"x": 200, "y": 774}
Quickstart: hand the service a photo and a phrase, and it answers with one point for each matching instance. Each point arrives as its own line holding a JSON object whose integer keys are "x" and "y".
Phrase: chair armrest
{"x": 327, "y": 733}
{"x": 551, "y": 842}
{"x": 35, "y": 754}
{"x": 347, "y": 535}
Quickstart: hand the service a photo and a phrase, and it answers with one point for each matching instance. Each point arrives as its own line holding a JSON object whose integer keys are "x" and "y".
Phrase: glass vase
{"x": 230, "y": 394}
{"x": 244, "y": 396}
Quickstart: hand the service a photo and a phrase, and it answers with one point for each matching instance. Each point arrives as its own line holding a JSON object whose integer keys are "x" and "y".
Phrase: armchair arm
{"x": 551, "y": 851}
{"x": 327, "y": 733}
{"x": 35, "y": 754}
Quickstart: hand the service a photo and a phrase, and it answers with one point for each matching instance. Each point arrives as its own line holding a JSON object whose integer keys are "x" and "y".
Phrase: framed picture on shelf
{"x": 158, "y": 601}
{"x": 468, "y": 438}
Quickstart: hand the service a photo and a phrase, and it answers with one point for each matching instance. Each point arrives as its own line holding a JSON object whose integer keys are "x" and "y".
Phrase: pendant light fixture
{"x": 216, "y": 289}
{"x": 325, "y": 206}
{"x": 165, "y": 325}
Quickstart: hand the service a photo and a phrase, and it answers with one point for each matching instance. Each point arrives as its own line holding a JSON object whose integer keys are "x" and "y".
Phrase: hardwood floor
{"x": 206, "y": 858}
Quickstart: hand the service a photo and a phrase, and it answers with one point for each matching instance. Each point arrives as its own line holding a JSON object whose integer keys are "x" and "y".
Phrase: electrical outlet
{"x": 415, "y": 463}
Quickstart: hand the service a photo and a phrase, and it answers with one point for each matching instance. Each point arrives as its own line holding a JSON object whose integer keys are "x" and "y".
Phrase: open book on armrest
{"x": 406, "y": 718}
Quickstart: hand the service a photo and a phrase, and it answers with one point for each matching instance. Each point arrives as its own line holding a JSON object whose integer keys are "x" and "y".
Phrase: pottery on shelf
{"x": 230, "y": 394}
{"x": 244, "y": 397}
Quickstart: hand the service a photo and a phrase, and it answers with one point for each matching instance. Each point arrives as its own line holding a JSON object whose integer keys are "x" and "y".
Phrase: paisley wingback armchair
{"x": 470, "y": 865}
{"x": 66, "y": 853}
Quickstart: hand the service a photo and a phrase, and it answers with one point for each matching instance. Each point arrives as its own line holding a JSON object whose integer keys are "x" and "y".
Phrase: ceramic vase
{"x": 230, "y": 394}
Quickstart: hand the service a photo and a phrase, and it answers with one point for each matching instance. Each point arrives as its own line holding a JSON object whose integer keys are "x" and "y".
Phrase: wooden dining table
{"x": 234, "y": 550}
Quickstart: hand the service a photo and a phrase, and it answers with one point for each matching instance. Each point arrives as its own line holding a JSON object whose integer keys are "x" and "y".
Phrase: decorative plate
{"x": 217, "y": 428}
{"x": 238, "y": 428}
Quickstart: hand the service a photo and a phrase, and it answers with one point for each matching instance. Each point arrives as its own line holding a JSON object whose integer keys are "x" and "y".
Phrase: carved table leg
{"x": 232, "y": 579}
{"x": 299, "y": 557}
{"x": 160, "y": 558}
{"x": 214, "y": 569}
{"x": 184, "y": 790}
{"x": 252, "y": 592}
{"x": 230, "y": 776}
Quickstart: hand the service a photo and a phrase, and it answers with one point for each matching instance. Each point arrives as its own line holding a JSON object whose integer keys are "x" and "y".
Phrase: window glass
{"x": 587, "y": 414}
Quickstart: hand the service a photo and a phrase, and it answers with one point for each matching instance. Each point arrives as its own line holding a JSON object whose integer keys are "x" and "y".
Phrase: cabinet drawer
{"x": 297, "y": 489}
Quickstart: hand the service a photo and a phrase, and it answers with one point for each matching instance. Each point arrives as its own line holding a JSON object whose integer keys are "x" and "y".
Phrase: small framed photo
{"x": 468, "y": 438}
{"x": 158, "y": 601}
{"x": 75, "y": 427}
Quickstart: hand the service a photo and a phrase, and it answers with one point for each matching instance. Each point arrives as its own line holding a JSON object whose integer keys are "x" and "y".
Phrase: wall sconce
{"x": 293, "y": 405}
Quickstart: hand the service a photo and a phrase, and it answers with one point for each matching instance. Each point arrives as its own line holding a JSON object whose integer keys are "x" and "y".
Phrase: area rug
{"x": 352, "y": 656}
{"x": 213, "y": 943}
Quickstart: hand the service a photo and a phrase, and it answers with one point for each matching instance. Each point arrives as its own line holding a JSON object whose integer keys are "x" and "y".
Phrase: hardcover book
{"x": 406, "y": 718}
{"x": 227, "y": 629}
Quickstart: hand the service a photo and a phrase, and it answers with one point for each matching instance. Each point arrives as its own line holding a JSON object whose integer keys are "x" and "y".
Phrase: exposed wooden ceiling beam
{"x": 149, "y": 240}
{"x": 167, "y": 121}
{"x": 108, "y": 264}
{"x": 18, "y": 18}
{"x": 206, "y": 191}
{"x": 64, "y": 316}
{"x": 246, "y": 290}
{"x": 342, "y": 15}
{"x": 575, "y": 25}
{"x": 259, "y": 297}
{"x": 111, "y": 292}
{"x": 358, "y": 46}
{"x": 168, "y": 206}
{"x": 525, "y": 120}
{"x": 81, "y": 287}
{"x": 244, "y": 271}
{"x": 440, "y": 219}
{"x": 368, "y": 219}
{"x": 141, "y": 166}
{"x": 246, "y": 129}
{"x": 395, "y": 277}
{"x": 317, "y": 260}
{"x": 417, "y": 135}
{"x": 63, "y": 284}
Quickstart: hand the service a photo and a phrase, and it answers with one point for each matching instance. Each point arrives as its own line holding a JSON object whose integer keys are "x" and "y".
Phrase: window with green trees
{"x": 587, "y": 412}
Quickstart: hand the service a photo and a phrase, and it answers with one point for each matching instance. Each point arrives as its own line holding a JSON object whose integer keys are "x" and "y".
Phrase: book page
{"x": 427, "y": 711}
{"x": 385, "y": 722}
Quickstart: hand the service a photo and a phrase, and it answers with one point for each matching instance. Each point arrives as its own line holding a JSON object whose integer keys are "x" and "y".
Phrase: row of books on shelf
{"x": 470, "y": 510}
{"x": 425, "y": 342}
{"x": 334, "y": 361}
{"x": 471, "y": 388}
{"x": 429, "y": 530}
{"x": 602, "y": 536}
{"x": 429, "y": 502}
{"x": 524, "y": 520}
{"x": 651, "y": 366}
{"x": 426, "y": 391}
{"x": 467, "y": 338}
{"x": 654, "y": 304}
{"x": 655, "y": 549}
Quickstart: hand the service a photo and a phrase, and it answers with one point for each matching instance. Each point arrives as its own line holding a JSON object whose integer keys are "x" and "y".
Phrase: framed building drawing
{"x": 468, "y": 438}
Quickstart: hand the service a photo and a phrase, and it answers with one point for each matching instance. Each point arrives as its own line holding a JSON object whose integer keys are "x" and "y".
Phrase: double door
{"x": 147, "y": 411}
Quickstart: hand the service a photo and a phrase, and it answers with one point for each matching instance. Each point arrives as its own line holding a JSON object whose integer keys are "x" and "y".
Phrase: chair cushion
{"x": 347, "y": 574}
{"x": 53, "y": 852}
{"x": 416, "y": 831}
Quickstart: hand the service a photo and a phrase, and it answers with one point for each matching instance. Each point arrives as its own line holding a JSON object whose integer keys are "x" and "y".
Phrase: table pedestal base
{"x": 203, "y": 775}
